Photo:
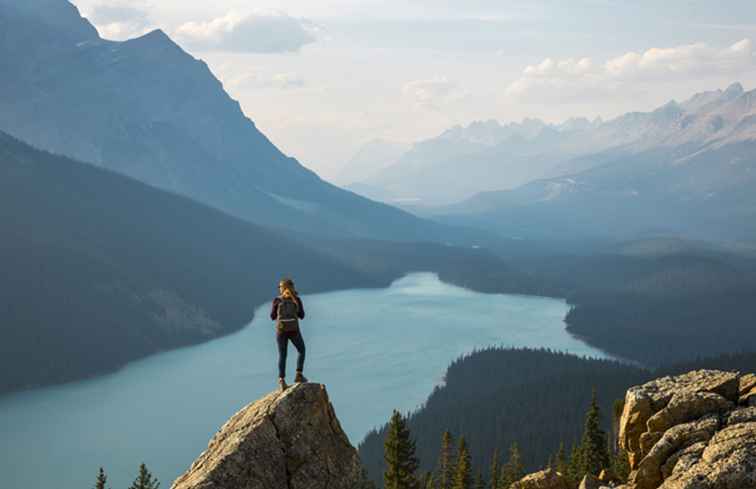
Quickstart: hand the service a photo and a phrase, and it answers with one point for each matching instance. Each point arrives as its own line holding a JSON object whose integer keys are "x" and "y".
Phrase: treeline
{"x": 454, "y": 469}
{"x": 536, "y": 399}
{"x": 500, "y": 396}
{"x": 143, "y": 480}
{"x": 669, "y": 309}
{"x": 655, "y": 301}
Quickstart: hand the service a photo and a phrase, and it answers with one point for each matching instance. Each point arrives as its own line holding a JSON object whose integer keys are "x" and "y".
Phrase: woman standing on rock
{"x": 287, "y": 309}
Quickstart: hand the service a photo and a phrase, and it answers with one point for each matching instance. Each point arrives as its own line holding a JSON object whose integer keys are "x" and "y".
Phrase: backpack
{"x": 287, "y": 315}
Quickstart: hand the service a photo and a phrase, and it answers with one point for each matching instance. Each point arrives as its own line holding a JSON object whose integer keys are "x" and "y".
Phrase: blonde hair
{"x": 287, "y": 289}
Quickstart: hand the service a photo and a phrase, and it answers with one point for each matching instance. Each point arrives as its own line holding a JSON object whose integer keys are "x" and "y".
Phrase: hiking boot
{"x": 282, "y": 384}
{"x": 299, "y": 378}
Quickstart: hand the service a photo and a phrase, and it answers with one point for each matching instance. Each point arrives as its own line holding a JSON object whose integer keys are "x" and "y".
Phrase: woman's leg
{"x": 298, "y": 341}
{"x": 283, "y": 343}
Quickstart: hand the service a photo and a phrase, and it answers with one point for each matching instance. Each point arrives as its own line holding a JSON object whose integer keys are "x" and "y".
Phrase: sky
{"x": 323, "y": 78}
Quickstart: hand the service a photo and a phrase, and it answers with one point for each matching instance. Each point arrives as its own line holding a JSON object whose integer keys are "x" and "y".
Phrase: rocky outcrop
{"x": 692, "y": 431}
{"x": 289, "y": 440}
{"x": 544, "y": 479}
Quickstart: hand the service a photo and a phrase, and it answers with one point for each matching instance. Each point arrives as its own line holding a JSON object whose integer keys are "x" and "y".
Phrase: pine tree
{"x": 145, "y": 480}
{"x": 446, "y": 461}
{"x": 102, "y": 479}
{"x": 463, "y": 469}
{"x": 399, "y": 455}
{"x": 621, "y": 465}
{"x": 479, "y": 482}
{"x": 573, "y": 467}
{"x": 494, "y": 475}
{"x": 513, "y": 470}
{"x": 593, "y": 452}
{"x": 428, "y": 481}
{"x": 560, "y": 460}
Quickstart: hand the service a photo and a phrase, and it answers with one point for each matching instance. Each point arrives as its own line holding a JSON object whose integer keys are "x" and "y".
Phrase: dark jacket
{"x": 274, "y": 308}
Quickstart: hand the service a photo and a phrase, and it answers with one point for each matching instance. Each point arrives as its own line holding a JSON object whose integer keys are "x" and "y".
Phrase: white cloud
{"x": 267, "y": 31}
{"x": 283, "y": 81}
{"x": 119, "y": 19}
{"x": 433, "y": 93}
{"x": 574, "y": 78}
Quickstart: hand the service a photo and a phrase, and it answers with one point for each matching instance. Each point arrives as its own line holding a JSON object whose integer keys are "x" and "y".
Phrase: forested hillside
{"x": 535, "y": 399}
{"x": 100, "y": 269}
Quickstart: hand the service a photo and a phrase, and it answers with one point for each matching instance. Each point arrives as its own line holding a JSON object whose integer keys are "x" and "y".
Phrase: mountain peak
{"x": 291, "y": 439}
{"x": 59, "y": 14}
{"x": 734, "y": 90}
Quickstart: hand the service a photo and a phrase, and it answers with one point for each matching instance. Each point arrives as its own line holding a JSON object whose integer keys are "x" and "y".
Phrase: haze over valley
{"x": 526, "y": 194}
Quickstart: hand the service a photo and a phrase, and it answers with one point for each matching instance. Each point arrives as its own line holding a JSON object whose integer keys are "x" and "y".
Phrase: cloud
{"x": 120, "y": 19}
{"x": 576, "y": 77}
{"x": 258, "y": 32}
{"x": 433, "y": 93}
{"x": 281, "y": 81}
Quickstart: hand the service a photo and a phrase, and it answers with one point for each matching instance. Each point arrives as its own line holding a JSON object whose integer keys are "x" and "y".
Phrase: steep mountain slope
{"x": 147, "y": 109}
{"x": 99, "y": 269}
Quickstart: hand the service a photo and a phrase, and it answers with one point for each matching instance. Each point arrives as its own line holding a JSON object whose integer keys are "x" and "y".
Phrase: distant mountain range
{"x": 490, "y": 157}
{"x": 691, "y": 172}
{"x": 149, "y": 110}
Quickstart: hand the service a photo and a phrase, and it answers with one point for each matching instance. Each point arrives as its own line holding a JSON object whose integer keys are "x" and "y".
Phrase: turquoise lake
{"x": 375, "y": 349}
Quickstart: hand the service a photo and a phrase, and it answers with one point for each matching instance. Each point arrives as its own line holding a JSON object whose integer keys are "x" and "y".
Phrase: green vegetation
{"x": 144, "y": 480}
{"x": 399, "y": 456}
{"x": 535, "y": 402}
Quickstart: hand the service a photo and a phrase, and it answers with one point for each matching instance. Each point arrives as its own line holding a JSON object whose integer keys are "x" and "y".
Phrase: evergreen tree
{"x": 573, "y": 467}
{"x": 513, "y": 470}
{"x": 102, "y": 479}
{"x": 593, "y": 452}
{"x": 145, "y": 480}
{"x": 620, "y": 465}
{"x": 479, "y": 482}
{"x": 560, "y": 460}
{"x": 399, "y": 455}
{"x": 446, "y": 461}
{"x": 428, "y": 481}
{"x": 494, "y": 474}
{"x": 463, "y": 470}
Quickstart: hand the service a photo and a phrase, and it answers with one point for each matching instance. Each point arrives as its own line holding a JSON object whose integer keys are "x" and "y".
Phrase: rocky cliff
{"x": 691, "y": 431}
{"x": 289, "y": 440}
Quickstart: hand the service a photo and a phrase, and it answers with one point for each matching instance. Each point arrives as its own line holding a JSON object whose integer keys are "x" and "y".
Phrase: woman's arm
{"x": 301, "y": 308}
{"x": 274, "y": 309}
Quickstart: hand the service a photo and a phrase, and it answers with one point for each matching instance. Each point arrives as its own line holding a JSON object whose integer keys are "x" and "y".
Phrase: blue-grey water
{"x": 375, "y": 349}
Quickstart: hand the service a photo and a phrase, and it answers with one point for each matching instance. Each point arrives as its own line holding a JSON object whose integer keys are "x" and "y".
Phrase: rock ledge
{"x": 289, "y": 440}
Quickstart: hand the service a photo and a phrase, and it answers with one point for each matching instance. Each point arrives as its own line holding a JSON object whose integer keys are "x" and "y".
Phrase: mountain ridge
{"x": 148, "y": 109}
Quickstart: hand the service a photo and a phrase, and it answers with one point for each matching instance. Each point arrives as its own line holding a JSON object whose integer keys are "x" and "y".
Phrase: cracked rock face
{"x": 289, "y": 440}
{"x": 693, "y": 431}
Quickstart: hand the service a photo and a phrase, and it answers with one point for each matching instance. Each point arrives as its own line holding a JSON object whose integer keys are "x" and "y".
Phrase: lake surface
{"x": 375, "y": 349}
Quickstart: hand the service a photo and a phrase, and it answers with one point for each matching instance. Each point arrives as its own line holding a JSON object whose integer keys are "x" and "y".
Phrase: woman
{"x": 287, "y": 309}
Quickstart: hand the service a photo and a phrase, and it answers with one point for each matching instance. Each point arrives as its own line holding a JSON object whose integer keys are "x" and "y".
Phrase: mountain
{"x": 149, "y": 110}
{"x": 289, "y": 439}
{"x": 487, "y": 157}
{"x": 691, "y": 174}
{"x": 371, "y": 158}
{"x": 100, "y": 269}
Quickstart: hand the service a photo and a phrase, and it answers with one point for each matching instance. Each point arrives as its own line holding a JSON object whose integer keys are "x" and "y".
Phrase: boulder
{"x": 289, "y": 440}
{"x": 727, "y": 462}
{"x": 543, "y": 479}
{"x": 645, "y": 401}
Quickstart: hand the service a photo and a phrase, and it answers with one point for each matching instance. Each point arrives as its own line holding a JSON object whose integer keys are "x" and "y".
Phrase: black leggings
{"x": 283, "y": 343}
